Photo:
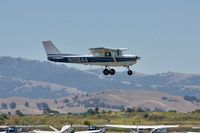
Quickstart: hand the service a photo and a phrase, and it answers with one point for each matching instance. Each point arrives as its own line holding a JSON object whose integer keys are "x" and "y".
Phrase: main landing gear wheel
{"x": 109, "y": 71}
{"x": 129, "y": 72}
{"x": 112, "y": 71}
{"x": 106, "y": 71}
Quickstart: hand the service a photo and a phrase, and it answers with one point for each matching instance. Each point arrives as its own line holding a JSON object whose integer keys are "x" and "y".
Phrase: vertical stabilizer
{"x": 50, "y": 48}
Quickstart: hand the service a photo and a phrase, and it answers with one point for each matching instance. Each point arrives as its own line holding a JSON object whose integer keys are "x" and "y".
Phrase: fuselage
{"x": 124, "y": 60}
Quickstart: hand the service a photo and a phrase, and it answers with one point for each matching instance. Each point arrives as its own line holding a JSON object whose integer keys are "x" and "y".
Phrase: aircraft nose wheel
{"x": 106, "y": 71}
{"x": 129, "y": 72}
{"x": 112, "y": 71}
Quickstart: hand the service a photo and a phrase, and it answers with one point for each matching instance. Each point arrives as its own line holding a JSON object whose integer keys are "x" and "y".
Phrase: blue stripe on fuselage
{"x": 90, "y": 59}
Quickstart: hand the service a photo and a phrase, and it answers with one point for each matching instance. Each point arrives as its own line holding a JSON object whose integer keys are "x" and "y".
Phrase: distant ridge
{"x": 15, "y": 70}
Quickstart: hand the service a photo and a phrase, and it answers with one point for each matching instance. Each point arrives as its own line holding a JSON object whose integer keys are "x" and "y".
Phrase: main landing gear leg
{"x": 129, "y": 72}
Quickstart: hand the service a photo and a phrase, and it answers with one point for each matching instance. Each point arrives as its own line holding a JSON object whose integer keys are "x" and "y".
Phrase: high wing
{"x": 55, "y": 130}
{"x": 143, "y": 127}
{"x": 109, "y": 49}
{"x": 123, "y": 126}
{"x": 38, "y": 131}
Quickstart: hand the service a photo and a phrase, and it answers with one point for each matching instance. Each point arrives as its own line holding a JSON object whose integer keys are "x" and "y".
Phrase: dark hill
{"x": 14, "y": 72}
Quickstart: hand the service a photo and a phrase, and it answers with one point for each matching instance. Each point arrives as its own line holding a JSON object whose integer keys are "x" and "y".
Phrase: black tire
{"x": 130, "y": 72}
{"x": 106, "y": 71}
{"x": 112, "y": 71}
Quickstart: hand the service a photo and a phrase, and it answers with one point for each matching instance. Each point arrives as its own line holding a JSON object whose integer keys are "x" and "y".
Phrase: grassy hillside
{"x": 104, "y": 100}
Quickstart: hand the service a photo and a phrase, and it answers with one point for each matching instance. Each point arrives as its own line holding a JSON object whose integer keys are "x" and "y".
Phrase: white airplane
{"x": 65, "y": 129}
{"x": 154, "y": 128}
{"x": 99, "y": 56}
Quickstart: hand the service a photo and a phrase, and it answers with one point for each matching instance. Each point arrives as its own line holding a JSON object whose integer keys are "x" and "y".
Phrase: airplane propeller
{"x": 138, "y": 58}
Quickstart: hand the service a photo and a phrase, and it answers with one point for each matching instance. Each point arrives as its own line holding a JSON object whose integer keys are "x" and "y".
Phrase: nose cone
{"x": 138, "y": 58}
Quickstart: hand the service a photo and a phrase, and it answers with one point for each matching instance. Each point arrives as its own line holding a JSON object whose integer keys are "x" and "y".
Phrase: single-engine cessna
{"x": 99, "y": 56}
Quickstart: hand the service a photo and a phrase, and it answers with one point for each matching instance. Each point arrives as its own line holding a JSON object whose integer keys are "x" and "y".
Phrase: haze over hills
{"x": 16, "y": 72}
{"x": 33, "y": 79}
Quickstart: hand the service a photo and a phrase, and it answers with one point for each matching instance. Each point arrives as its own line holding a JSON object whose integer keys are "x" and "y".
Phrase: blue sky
{"x": 166, "y": 34}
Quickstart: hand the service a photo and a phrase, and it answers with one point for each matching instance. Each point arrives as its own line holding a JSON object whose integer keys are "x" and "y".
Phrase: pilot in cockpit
{"x": 107, "y": 54}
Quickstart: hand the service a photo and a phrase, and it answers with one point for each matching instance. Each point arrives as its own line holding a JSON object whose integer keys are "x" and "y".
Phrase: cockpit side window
{"x": 113, "y": 53}
{"x": 107, "y": 54}
{"x": 118, "y": 52}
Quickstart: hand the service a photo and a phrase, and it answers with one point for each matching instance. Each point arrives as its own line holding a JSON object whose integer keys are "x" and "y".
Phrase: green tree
{"x": 55, "y": 101}
{"x": 4, "y": 106}
{"x": 26, "y": 104}
{"x": 9, "y": 113}
{"x": 96, "y": 110}
{"x": 87, "y": 123}
{"x": 42, "y": 106}
{"x": 103, "y": 111}
{"x": 19, "y": 113}
{"x": 130, "y": 110}
{"x": 90, "y": 112}
{"x": 123, "y": 109}
{"x": 66, "y": 100}
{"x": 3, "y": 117}
{"x": 196, "y": 111}
{"x": 12, "y": 105}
